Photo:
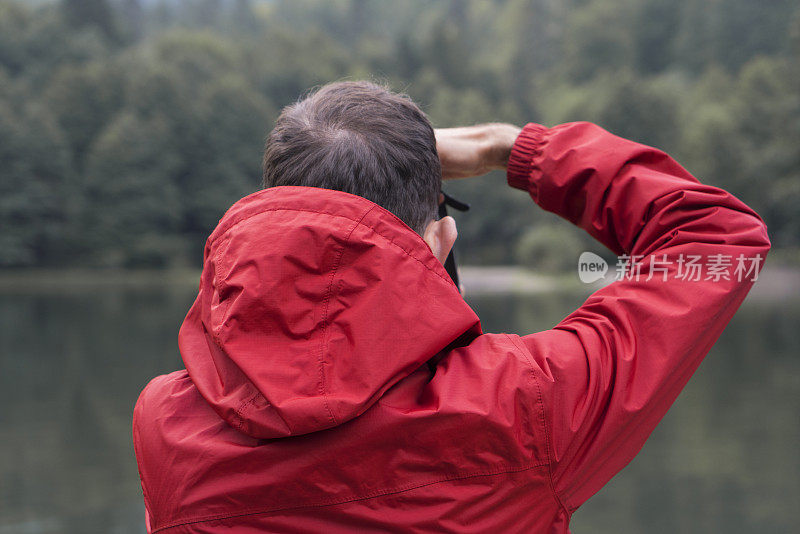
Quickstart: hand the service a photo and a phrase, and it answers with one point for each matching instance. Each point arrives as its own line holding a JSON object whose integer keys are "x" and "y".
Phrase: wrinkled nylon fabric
{"x": 337, "y": 381}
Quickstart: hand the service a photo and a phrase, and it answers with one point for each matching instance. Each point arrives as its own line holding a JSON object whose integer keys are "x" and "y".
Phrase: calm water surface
{"x": 72, "y": 363}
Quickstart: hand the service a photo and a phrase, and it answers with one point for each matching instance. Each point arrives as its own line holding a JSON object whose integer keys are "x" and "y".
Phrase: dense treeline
{"x": 127, "y": 127}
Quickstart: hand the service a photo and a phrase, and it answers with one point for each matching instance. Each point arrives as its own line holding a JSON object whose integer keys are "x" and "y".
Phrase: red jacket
{"x": 336, "y": 381}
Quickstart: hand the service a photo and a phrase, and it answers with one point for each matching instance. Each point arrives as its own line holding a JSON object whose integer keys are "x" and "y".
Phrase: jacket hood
{"x": 313, "y": 303}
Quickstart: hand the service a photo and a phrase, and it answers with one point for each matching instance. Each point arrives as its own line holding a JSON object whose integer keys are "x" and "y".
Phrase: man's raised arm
{"x": 610, "y": 370}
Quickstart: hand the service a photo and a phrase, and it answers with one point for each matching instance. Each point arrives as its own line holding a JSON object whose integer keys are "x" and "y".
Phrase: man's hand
{"x": 474, "y": 150}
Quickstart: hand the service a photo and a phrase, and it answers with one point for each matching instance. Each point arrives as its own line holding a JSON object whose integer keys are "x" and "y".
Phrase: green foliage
{"x": 90, "y": 13}
{"x": 550, "y": 249}
{"x": 598, "y": 39}
{"x": 83, "y": 99}
{"x": 128, "y": 127}
{"x": 33, "y": 187}
{"x": 130, "y": 184}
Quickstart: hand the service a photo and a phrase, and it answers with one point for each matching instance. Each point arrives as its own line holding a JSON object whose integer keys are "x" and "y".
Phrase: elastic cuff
{"x": 527, "y": 146}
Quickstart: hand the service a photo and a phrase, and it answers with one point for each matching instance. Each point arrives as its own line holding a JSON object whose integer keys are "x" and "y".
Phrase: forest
{"x": 128, "y": 127}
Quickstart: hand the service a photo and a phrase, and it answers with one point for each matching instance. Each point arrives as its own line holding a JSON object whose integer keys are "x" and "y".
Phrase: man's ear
{"x": 440, "y": 236}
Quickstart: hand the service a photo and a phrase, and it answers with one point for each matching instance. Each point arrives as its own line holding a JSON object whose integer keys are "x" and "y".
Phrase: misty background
{"x": 128, "y": 127}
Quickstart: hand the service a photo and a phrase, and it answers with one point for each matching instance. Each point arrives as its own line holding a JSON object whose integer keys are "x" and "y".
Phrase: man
{"x": 336, "y": 381}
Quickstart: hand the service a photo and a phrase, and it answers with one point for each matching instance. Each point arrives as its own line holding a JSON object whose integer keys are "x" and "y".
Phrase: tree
{"x": 130, "y": 186}
{"x": 655, "y": 24}
{"x": 90, "y": 13}
{"x": 33, "y": 188}
{"x": 224, "y": 160}
{"x": 642, "y": 110}
{"x": 243, "y": 17}
{"x": 205, "y": 13}
{"x": 83, "y": 100}
{"x": 549, "y": 248}
{"x": 132, "y": 19}
{"x": 768, "y": 110}
{"x": 127, "y": 127}
{"x": 597, "y": 40}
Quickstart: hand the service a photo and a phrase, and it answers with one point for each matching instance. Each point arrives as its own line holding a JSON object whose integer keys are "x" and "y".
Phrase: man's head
{"x": 363, "y": 139}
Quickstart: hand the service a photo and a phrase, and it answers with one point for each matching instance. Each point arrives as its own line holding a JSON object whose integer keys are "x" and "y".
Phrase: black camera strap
{"x": 450, "y": 263}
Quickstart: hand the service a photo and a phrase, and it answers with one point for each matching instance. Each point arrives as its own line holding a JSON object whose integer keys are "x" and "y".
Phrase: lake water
{"x": 72, "y": 363}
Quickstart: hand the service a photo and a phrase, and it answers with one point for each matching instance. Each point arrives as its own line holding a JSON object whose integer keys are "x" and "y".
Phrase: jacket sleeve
{"x": 610, "y": 370}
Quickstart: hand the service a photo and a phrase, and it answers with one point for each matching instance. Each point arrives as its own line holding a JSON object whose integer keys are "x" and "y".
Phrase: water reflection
{"x": 72, "y": 364}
